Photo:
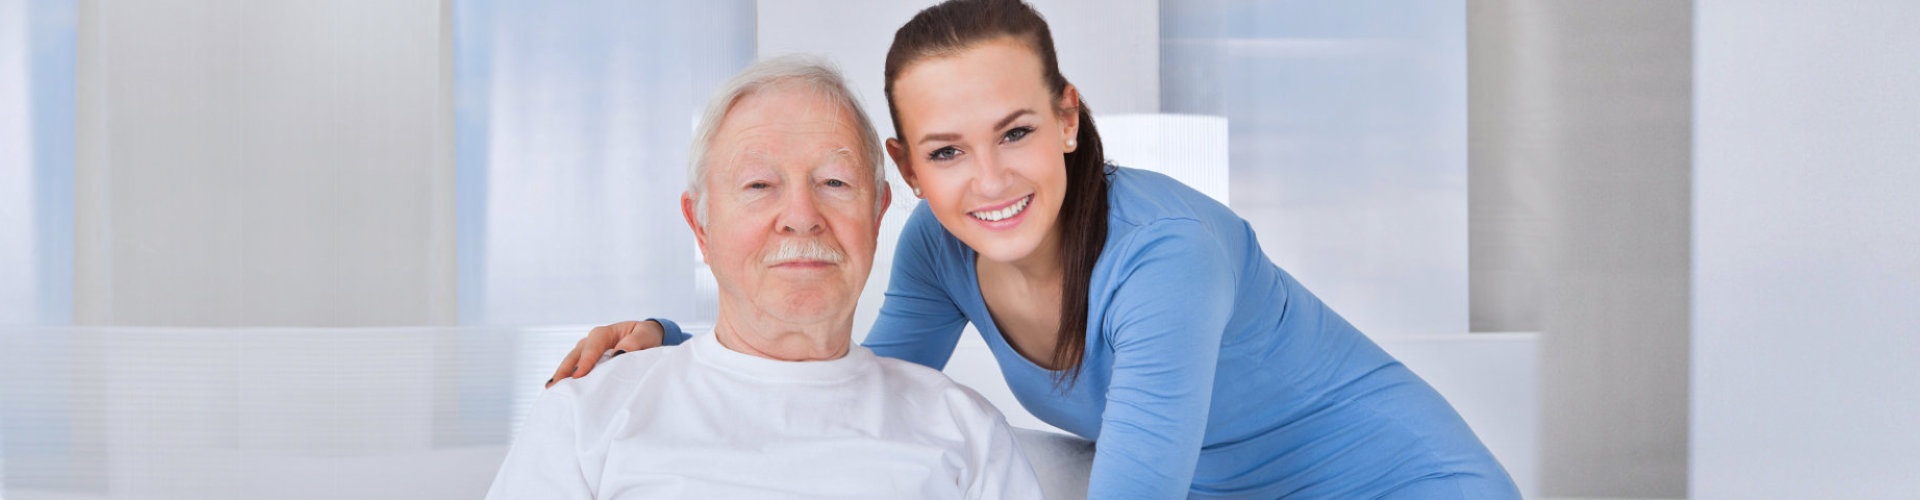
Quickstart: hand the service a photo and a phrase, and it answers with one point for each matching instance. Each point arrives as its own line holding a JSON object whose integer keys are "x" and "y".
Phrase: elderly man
{"x": 785, "y": 194}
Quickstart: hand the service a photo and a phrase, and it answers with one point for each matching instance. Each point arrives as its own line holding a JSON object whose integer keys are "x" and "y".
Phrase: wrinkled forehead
{"x": 787, "y": 128}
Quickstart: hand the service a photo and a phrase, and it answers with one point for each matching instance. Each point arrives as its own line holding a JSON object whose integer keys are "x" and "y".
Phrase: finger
{"x": 591, "y": 348}
{"x": 635, "y": 340}
{"x": 566, "y": 366}
{"x": 640, "y": 335}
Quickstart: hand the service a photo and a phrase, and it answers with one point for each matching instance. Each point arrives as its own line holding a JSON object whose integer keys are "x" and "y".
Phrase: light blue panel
{"x": 53, "y": 40}
{"x": 1348, "y": 143}
{"x": 37, "y": 424}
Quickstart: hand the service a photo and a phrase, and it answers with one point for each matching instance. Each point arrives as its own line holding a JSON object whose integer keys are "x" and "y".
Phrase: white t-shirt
{"x": 702, "y": 421}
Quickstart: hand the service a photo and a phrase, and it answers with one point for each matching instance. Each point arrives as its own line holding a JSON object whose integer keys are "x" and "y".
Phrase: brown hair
{"x": 956, "y": 25}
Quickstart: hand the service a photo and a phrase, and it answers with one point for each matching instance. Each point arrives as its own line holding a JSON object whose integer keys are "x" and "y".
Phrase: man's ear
{"x": 1070, "y": 123}
{"x": 898, "y": 151}
{"x": 689, "y": 206}
{"x": 886, "y": 200}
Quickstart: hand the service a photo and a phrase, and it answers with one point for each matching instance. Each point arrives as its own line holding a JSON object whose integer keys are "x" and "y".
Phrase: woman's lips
{"x": 1003, "y": 211}
{"x": 1005, "y": 216}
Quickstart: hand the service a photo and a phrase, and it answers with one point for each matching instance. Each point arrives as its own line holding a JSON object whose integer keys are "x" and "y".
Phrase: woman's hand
{"x": 628, "y": 336}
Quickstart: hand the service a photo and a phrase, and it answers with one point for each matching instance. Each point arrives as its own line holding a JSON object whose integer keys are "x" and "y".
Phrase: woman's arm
{"x": 919, "y": 321}
{"x": 1174, "y": 295}
{"x": 626, "y": 336}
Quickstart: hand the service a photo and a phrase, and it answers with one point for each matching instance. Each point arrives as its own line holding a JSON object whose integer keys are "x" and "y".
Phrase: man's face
{"x": 791, "y": 224}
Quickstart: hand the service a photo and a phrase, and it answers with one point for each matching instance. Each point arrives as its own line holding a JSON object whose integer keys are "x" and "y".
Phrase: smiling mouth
{"x": 1003, "y": 213}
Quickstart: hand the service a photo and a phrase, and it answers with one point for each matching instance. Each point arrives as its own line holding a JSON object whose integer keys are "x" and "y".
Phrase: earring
{"x": 916, "y": 192}
{"x": 1070, "y": 144}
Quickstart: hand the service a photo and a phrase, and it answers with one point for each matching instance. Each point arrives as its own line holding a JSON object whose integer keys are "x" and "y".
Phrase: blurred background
{"x": 1649, "y": 248}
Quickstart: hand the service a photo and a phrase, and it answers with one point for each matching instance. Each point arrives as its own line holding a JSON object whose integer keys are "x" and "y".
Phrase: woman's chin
{"x": 1004, "y": 250}
{"x": 1004, "y": 246}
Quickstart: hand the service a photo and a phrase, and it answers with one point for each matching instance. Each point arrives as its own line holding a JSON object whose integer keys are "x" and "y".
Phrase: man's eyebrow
{"x": 746, "y": 155}
{"x": 948, "y": 136}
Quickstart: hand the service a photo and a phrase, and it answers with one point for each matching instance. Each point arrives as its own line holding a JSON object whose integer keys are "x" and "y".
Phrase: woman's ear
{"x": 898, "y": 151}
{"x": 1070, "y": 116}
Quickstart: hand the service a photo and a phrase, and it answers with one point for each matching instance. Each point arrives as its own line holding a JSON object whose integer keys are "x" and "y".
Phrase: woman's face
{"x": 985, "y": 143}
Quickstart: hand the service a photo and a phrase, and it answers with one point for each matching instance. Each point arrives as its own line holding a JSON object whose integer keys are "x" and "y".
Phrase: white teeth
{"x": 1004, "y": 213}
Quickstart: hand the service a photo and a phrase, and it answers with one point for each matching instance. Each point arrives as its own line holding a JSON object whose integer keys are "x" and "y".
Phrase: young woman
{"x": 1120, "y": 304}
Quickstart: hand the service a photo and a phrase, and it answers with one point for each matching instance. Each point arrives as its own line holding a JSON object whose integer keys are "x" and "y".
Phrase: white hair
{"x": 780, "y": 72}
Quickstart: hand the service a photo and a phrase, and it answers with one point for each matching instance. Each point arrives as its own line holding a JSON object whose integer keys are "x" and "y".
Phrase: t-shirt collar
{"x": 708, "y": 350}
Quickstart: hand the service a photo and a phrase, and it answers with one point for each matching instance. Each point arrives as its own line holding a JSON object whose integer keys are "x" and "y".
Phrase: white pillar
{"x": 1579, "y": 203}
{"x": 264, "y": 163}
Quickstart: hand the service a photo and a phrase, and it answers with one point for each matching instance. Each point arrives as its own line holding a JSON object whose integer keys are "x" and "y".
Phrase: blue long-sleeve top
{"x": 1209, "y": 372}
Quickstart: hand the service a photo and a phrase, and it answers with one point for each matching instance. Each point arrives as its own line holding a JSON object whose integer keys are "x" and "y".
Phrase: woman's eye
{"x": 1017, "y": 134}
{"x": 946, "y": 153}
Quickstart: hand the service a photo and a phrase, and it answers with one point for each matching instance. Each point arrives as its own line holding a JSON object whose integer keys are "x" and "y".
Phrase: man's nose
{"x": 801, "y": 216}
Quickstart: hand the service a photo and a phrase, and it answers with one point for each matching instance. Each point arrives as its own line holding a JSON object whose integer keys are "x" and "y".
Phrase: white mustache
{"x": 791, "y": 250}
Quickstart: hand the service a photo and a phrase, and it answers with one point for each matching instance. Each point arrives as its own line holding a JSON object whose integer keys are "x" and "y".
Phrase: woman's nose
{"x": 993, "y": 178}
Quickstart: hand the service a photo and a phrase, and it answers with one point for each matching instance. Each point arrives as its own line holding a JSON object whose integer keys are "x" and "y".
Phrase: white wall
{"x": 18, "y": 280}
{"x": 1806, "y": 273}
{"x": 264, "y": 163}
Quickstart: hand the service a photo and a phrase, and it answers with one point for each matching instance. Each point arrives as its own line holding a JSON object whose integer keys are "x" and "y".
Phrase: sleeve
{"x": 1173, "y": 295}
{"x": 670, "y": 332}
{"x": 542, "y": 462}
{"x": 919, "y": 321}
{"x": 1000, "y": 469}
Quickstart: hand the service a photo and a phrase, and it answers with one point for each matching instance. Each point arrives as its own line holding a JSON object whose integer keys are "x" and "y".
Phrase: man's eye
{"x": 1016, "y": 134}
{"x": 836, "y": 183}
{"x": 946, "y": 153}
{"x": 759, "y": 185}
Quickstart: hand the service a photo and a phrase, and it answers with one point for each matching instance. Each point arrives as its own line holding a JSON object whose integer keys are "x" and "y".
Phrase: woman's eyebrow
{"x": 1010, "y": 117}
{"x": 949, "y": 136}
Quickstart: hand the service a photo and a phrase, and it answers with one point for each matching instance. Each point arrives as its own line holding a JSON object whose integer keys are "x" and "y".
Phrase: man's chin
{"x": 808, "y": 306}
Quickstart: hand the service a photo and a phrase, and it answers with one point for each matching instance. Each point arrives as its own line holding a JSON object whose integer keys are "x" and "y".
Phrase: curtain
{"x": 572, "y": 122}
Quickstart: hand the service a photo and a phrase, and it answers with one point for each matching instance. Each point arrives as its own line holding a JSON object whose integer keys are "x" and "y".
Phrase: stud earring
{"x": 1070, "y": 144}
{"x": 916, "y": 192}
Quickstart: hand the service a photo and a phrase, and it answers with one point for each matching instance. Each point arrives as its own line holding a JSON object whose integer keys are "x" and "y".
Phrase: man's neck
{"x": 777, "y": 340}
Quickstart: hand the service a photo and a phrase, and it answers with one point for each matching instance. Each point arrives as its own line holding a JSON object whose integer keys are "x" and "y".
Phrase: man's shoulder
{"x": 914, "y": 373}
{"x": 620, "y": 377}
{"x": 930, "y": 385}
